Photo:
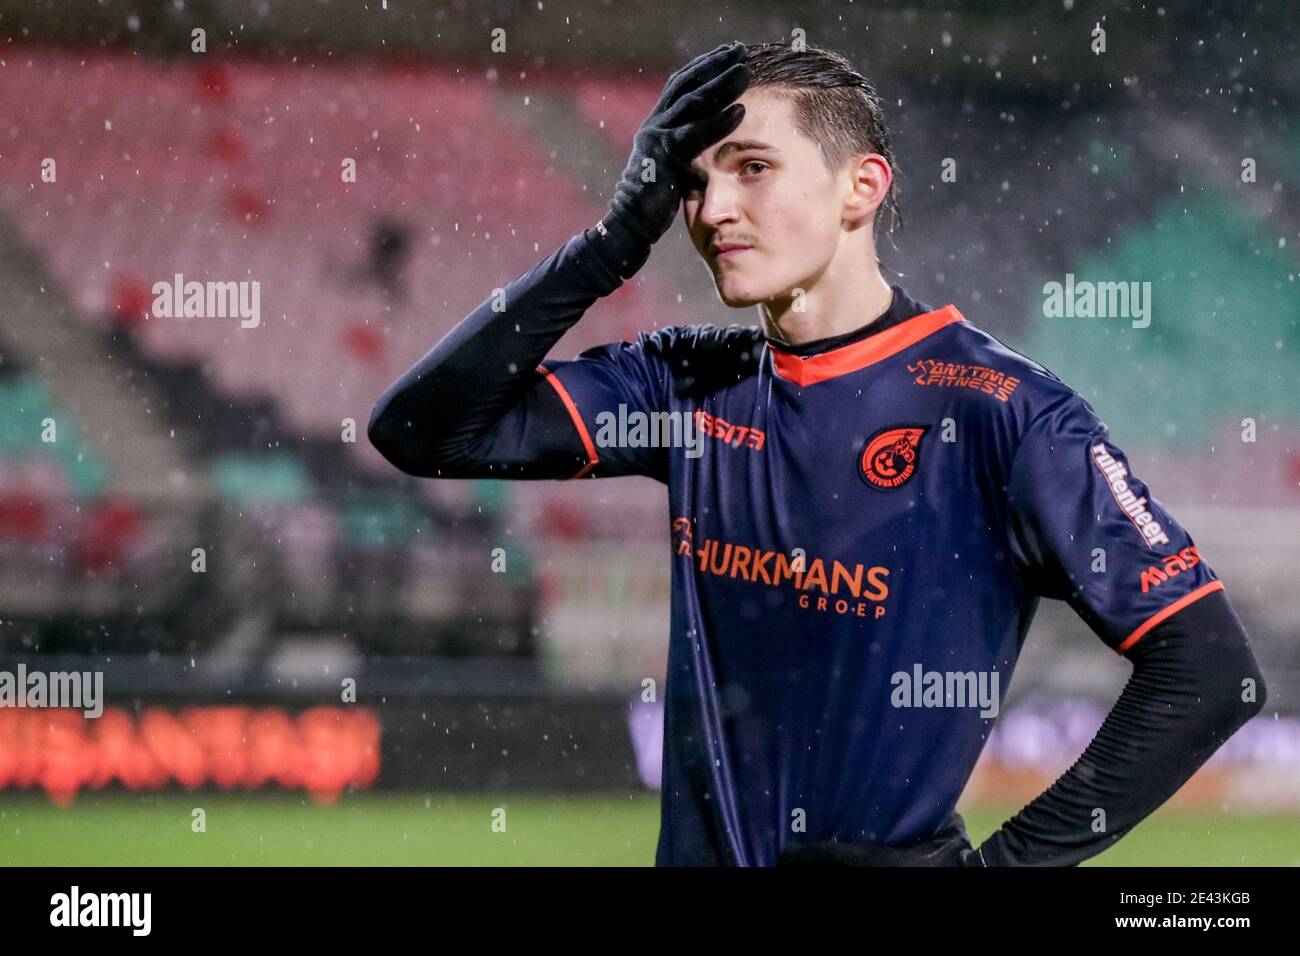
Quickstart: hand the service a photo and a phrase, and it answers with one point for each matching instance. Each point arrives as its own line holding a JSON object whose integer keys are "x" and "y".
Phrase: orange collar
{"x": 875, "y": 348}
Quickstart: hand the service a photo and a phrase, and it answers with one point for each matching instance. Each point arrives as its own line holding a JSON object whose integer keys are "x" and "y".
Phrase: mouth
{"x": 728, "y": 251}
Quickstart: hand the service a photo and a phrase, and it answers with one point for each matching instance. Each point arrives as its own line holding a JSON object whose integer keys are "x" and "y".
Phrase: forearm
{"x": 1183, "y": 700}
{"x": 429, "y": 419}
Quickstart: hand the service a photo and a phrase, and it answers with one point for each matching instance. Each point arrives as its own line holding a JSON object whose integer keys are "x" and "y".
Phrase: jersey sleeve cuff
{"x": 1167, "y": 612}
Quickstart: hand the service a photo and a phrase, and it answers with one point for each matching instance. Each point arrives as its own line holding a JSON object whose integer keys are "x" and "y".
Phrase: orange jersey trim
{"x": 592, "y": 458}
{"x": 1172, "y": 609}
{"x": 857, "y": 355}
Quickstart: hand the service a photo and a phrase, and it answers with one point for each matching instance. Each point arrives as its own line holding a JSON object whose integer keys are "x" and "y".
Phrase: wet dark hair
{"x": 833, "y": 104}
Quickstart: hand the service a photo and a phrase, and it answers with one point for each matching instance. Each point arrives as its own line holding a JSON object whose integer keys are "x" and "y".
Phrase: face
{"x": 766, "y": 188}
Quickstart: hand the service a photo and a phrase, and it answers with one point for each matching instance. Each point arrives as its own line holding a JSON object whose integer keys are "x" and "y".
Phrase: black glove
{"x": 691, "y": 115}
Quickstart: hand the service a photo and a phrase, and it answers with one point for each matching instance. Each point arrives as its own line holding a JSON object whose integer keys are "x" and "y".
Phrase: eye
{"x": 754, "y": 162}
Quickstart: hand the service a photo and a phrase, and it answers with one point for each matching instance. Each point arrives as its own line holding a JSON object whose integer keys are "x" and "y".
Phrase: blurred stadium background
{"x": 477, "y": 688}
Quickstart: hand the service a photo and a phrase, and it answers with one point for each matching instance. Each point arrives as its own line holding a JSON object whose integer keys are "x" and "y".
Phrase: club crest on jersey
{"x": 890, "y": 456}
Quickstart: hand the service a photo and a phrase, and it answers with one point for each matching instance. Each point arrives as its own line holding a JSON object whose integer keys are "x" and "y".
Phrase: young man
{"x": 884, "y": 493}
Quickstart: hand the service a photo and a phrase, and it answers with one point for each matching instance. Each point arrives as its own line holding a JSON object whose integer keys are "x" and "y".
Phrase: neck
{"x": 839, "y": 300}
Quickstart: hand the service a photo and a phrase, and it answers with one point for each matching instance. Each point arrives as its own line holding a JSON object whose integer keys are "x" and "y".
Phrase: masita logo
{"x": 890, "y": 456}
{"x": 1171, "y": 565}
{"x": 133, "y": 910}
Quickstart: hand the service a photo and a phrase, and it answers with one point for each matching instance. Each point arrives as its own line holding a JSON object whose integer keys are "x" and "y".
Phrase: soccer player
{"x": 884, "y": 493}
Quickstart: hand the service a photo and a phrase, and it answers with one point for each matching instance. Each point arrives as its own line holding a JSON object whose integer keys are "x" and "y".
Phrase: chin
{"x": 733, "y": 303}
{"x": 739, "y": 298}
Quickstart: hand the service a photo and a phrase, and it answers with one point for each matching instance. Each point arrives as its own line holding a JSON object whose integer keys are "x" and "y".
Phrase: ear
{"x": 869, "y": 180}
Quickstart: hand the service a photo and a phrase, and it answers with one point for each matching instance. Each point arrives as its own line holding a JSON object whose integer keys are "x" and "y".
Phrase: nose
{"x": 720, "y": 202}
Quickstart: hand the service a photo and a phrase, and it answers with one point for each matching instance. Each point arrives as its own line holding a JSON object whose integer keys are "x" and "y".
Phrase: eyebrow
{"x": 740, "y": 146}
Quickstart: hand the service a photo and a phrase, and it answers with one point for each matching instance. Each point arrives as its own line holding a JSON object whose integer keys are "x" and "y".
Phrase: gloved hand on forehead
{"x": 691, "y": 115}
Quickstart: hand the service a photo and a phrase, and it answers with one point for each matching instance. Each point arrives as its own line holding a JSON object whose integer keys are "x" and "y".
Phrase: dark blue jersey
{"x": 894, "y": 506}
{"x": 859, "y": 535}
